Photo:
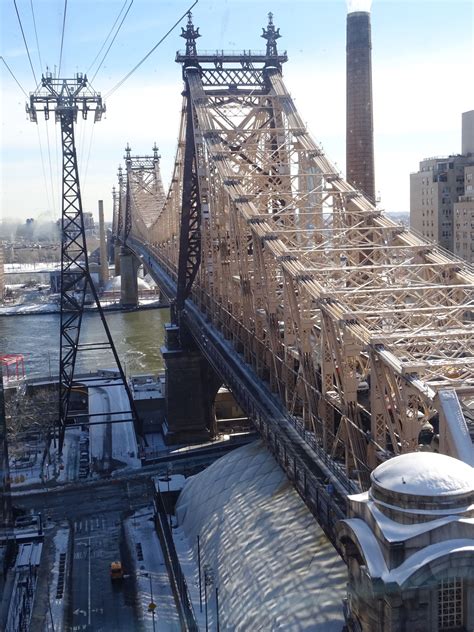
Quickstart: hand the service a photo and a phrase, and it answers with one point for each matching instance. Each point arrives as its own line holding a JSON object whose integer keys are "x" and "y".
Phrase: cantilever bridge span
{"x": 359, "y": 331}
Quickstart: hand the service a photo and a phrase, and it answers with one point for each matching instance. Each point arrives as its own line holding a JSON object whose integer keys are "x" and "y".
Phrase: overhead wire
{"x": 26, "y": 95}
{"x": 51, "y": 202}
{"x": 14, "y": 78}
{"x": 48, "y": 199}
{"x": 53, "y": 195}
{"x": 25, "y": 42}
{"x": 127, "y": 76}
{"x": 62, "y": 38}
{"x": 113, "y": 40}
{"x": 36, "y": 35}
{"x": 108, "y": 35}
{"x": 86, "y": 168}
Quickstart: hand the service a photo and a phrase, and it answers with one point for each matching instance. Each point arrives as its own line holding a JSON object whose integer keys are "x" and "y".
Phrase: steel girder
{"x": 323, "y": 294}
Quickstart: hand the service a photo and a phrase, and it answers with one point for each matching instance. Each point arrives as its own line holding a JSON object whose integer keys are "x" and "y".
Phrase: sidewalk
{"x": 150, "y": 572}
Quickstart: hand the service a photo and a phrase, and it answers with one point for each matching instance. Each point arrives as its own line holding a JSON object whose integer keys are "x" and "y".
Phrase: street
{"x": 95, "y": 513}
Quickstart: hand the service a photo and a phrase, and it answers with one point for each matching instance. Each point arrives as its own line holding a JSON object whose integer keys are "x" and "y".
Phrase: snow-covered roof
{"x": 274, "y": 566}
{"x": 375, "y": 561}
{"x": 427, "y": 555}
{"x": 424, "y": 474}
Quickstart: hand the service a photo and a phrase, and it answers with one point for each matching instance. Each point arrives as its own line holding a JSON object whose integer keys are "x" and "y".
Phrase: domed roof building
{"x": 409, "y": 546}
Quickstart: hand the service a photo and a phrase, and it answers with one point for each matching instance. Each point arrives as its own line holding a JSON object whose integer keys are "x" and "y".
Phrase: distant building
{"x": 2, "y": 273}
{"x": 463, "y": 219}
{"x": 441, "y": 197}
{"x": 89, "y": 224}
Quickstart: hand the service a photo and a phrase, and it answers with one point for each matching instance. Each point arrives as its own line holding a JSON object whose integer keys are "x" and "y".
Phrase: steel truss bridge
{"x": 340, "y": 332}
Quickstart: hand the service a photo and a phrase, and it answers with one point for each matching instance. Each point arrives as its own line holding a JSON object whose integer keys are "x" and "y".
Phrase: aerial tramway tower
{"x": 66, "y": 98}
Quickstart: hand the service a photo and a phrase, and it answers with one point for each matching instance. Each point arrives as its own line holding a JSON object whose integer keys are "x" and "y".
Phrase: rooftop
{"x": 424, "y": 474}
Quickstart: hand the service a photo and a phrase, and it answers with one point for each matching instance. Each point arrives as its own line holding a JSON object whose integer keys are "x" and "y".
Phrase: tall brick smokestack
{"x": 359, "y": 117}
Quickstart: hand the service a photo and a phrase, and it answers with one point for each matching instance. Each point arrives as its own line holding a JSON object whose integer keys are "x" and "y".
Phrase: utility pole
{"x": 66, "y": 98}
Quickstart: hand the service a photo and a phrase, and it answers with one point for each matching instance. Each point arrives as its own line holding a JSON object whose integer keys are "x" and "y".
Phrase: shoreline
{"x": 105, "y": 308}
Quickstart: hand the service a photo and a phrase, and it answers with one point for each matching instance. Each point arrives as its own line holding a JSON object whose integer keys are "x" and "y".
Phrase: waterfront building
{"x": 441, "y": 196}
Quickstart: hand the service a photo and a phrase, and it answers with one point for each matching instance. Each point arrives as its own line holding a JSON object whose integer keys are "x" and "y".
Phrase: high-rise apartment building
{"x": 442, "y": 197}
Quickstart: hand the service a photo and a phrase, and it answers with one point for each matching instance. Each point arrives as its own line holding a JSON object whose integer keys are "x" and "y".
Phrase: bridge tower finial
{"x": 127, "y": 156}
{"x": 271, "y": 35}
{"x": 156, "y": 155}
{"x": 190, "y": 34}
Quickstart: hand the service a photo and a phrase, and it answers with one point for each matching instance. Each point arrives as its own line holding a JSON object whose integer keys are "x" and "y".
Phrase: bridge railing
{"x": 175, "y": 573}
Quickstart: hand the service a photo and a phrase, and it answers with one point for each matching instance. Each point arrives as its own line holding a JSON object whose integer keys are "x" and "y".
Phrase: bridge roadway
{"x": 307, "y": 466}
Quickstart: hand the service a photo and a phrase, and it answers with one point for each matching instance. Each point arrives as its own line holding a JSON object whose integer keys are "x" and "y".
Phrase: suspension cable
{"x": 127, "y": 76}
{"x": 113, "y": 39}
{"x": 36, "y": 35}
{"x": 14, "y": 78}
{"x": 24, "y": 40}
{"x": 62, "y": 38}
{"x": 109, "y": 34}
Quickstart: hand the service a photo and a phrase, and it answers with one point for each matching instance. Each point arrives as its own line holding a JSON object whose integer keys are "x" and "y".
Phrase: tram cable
{"x": 62, "y": 38}
{"x": 113, "y": 39}
{"x": 36, "y": 35}
{"x": 14, "y": 78}
{"x": 108, "y": 35}
{"x": 127, "y": 76}
{"x": 25, "y": 42}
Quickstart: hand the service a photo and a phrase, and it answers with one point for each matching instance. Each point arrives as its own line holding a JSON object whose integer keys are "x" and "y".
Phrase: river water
{"x": 137, "y": 336}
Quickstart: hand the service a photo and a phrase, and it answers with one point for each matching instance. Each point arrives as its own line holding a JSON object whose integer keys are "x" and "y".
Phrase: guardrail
{"x": 175, "y": 573}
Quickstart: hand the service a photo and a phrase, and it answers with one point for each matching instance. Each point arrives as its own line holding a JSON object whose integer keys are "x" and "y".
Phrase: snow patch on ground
{"x": 150, "y": 573}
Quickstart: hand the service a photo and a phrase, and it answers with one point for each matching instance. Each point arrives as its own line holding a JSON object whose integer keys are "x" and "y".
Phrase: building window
{"x": 450, "y": 604}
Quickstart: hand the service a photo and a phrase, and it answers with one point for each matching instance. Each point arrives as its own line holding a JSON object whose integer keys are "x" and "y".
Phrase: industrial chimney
{"x": 359, "y": 118}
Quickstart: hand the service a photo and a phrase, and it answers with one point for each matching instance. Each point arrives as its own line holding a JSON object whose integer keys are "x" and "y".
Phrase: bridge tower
{"x": 66, "y": 98}
{"x": 189, "y": 401}
{"x": 142, "y": 178}
{"x": 128, "y": 263}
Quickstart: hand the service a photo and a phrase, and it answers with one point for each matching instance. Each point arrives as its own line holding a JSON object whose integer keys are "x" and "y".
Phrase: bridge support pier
{"x": 191, "y": 388}
{"x": 116, "y": 258}
{"x": 129, "y": 283}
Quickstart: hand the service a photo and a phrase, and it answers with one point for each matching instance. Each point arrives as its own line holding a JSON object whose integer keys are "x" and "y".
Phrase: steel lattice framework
{"x": 66, "y": 98}
{"x": 318, "y": 289}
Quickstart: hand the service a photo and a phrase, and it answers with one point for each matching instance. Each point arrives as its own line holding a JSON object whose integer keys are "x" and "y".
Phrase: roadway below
{"x": 95, "y": 511}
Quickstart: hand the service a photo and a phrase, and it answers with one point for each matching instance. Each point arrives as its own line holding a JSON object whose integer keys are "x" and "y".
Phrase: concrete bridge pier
{"x": 191, "y": 389}
{"x": 129, "y": 265}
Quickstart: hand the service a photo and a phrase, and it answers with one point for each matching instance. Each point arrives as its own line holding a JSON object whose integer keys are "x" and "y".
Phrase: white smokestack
{"x": 358, "y": 5}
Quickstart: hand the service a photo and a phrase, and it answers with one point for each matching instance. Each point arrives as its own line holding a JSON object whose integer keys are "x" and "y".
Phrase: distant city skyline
{"x": 422, "y": 65}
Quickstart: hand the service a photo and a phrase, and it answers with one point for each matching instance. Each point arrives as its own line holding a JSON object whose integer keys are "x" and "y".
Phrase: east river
{"x": 138, "y": 337}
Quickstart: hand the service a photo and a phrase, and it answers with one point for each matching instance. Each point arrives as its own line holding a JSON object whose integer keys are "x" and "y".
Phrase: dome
{"x": 424, "y": 474}
{"x": 423, "y": 483}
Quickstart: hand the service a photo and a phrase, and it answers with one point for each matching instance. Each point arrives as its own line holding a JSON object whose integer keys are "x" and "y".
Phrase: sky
{"x": 422, "y": 60}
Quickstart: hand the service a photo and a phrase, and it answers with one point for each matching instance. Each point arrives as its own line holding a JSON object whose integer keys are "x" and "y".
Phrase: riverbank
{"x": 53, "y": 308}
